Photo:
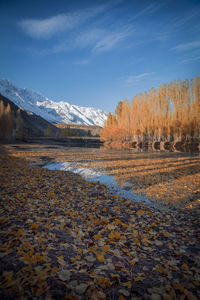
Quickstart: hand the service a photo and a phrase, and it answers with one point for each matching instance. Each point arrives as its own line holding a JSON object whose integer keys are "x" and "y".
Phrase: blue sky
{"x": 97, "y": 53}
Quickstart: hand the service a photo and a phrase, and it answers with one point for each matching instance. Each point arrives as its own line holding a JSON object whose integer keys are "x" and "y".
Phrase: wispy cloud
{"x": 174, "y": 24}
{"x": 165, "y": 35}
{"x": 187, "y": 46}
{"x": 82, "y": 62}
{"x": 151, "y": 8}
{"x": 185, "y": 18}
{"x": 87, "y": 38}
{"x": 48, "y": 27}
{"x": 187, "y": 60}
{"x": 95, "y": 40}
{"x": 100, "y": 40}
{"x": 109, "y": 40}
{"x": 134, "y": 79}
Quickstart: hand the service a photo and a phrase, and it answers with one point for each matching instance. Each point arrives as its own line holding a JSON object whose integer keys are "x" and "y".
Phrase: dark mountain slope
{"x": 17, "y": 122}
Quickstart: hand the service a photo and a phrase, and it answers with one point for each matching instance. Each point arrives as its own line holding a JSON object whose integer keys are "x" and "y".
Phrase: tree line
{"x": 11, "y": 123}
{"x": 67, "y": 132}
{"x": 172, "y": 112}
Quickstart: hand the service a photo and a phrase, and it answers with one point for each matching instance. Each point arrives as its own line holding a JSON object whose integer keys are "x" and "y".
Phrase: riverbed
{"x": 167, "y": 178}
{"x": 66, "y": 237}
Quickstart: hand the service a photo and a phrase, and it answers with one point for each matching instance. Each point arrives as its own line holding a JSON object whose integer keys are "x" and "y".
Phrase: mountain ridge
{"x": 52, "y": 111}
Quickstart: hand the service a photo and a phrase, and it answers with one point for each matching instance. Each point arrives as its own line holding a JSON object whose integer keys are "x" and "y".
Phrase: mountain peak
{"x": 52, "y": 111}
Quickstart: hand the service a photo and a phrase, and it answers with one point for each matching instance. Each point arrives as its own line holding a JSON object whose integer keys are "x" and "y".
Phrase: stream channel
{"x": 98, "y": 176}
{"x": 161, "y": 178}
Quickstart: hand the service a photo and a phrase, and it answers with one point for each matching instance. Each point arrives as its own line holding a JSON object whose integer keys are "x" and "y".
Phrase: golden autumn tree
{"x": 6, "y": 120}
{"x": 172, "y": 112}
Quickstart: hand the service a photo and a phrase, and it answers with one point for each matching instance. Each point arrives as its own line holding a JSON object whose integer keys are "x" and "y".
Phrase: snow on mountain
{"x": 54, "y": 112}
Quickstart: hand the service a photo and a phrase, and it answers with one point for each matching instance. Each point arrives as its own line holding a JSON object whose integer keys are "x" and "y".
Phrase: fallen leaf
{"x": 140, "y": 212}
{"x": 34, "y": 226}
{"x": 117, "y": 235}
{"x": 124, "y": 292}
{"x": 97, "y": 236}
{"x": 100, "y": 258}
{"x": 106, "y": 248}
{"x": 81, "y": 288}
{"x": 64, "y": 275}
{"x": 61, "y": 260}
{"x": 111, "y": 235}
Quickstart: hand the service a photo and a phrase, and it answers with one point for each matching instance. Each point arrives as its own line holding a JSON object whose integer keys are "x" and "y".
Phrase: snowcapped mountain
{"x": 54, "y": 112}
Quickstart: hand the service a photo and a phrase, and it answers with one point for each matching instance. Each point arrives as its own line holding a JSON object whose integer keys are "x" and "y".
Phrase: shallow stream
{"x": 165, "y": 178}
{"x": 150, "y": 177}
{"x": 96, "y": 175}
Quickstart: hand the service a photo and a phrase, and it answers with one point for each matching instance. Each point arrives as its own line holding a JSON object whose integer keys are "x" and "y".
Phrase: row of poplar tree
{"x": 172, "y": 112}
{"x": 11, "y": 123}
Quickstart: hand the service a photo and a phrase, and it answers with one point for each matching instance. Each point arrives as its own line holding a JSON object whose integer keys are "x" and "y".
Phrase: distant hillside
{"x": 81, "y": 130}
{"x": 54, "y": 112}
{"x": 15, "y": 122}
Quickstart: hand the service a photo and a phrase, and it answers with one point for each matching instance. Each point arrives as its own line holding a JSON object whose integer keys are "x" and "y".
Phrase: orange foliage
{"x": 170, "y": 113}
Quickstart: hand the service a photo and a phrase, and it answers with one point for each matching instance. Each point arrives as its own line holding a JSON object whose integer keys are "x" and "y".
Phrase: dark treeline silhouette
{"x": 11, "y": 123}
{"x": 17, "y": 123}
{"x": 170, "y": 113}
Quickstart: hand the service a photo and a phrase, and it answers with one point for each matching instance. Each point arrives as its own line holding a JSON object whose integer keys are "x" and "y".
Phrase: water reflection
{"x": 173, "y": 146}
